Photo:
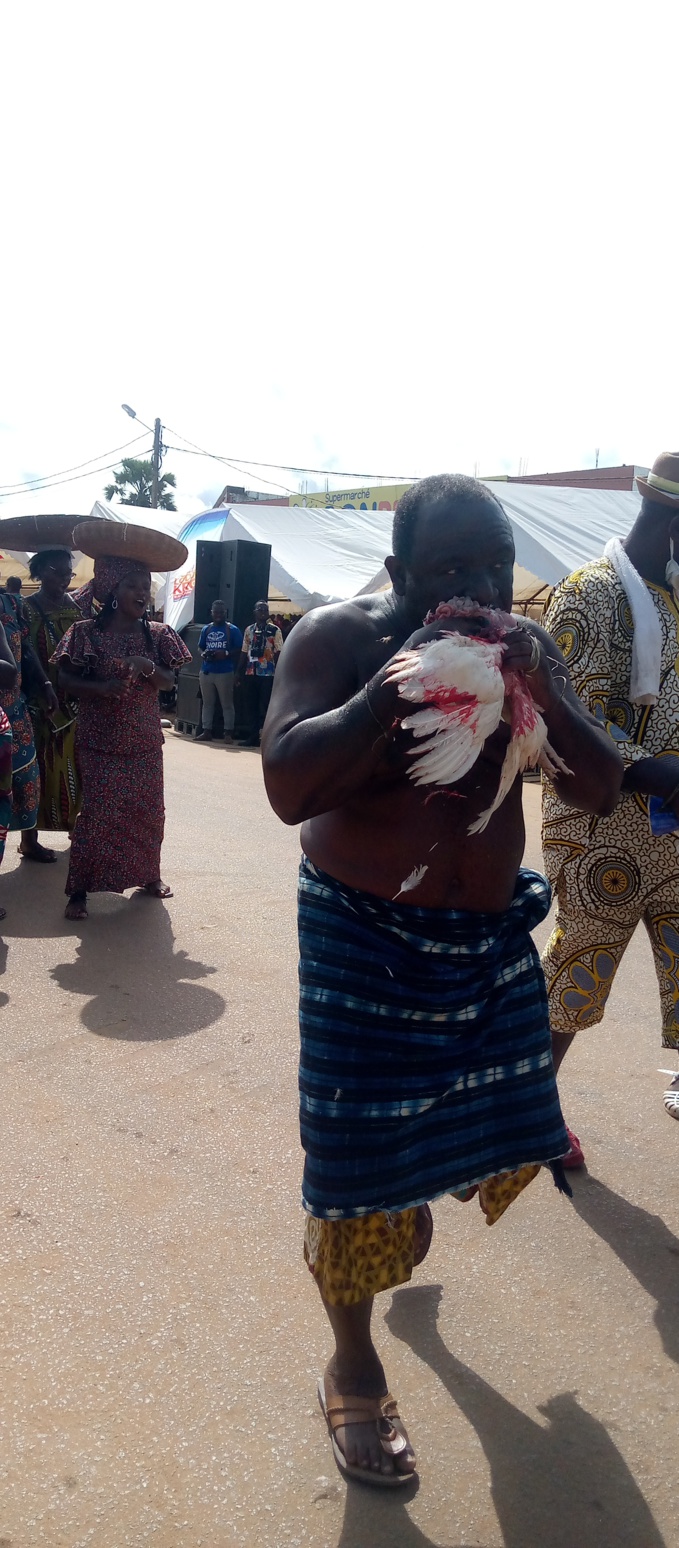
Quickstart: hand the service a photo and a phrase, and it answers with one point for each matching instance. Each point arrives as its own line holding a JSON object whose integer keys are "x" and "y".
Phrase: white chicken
{"x": 467, "y": 694}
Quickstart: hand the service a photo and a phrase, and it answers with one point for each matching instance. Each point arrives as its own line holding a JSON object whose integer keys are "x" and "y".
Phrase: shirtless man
{"x": 425, "y": 1063}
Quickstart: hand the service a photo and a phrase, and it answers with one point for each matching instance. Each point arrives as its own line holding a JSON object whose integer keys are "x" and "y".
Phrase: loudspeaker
{"x": 191, "y": 636}
{"x": 236, "y": 572}
{"x": 189, "y": 702}
{"x": 208, "y": 578}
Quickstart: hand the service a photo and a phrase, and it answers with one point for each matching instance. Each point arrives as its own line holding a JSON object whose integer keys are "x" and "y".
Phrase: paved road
{"x": 160, "y": 1336}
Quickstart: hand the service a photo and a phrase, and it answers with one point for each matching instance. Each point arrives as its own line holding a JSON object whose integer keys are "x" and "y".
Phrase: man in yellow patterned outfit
{"x": 616, "y": 622}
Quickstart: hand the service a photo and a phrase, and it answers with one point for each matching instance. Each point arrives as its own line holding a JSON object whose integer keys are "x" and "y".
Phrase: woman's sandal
{"x": 363, "y": 1410}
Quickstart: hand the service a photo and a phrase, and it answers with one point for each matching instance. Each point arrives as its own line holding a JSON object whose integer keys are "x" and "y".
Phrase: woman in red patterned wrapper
{"x": 116, "y": 664}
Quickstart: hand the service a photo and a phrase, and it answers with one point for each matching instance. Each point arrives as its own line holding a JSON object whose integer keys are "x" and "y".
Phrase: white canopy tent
{"x": 322, "y": 556}
{"x": 140, "y": 516}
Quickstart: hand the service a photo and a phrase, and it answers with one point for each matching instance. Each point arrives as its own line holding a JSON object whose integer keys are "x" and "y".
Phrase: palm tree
{"x": 133, "y": 482}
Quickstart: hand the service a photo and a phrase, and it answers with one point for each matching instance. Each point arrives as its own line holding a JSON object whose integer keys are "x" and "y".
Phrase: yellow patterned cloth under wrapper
{"x": 610, "y": 873}
{"x": 352, "y": 1260}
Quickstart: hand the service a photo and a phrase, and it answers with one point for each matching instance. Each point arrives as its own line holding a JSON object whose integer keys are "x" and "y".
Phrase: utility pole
{"x": 157, "y": 458}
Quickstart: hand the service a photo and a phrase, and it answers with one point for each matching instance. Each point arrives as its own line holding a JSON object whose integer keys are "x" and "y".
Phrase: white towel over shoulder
{"x": 647, "y": 642}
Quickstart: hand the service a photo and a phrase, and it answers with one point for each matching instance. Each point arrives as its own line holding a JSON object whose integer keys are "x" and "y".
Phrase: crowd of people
{"x": 235, "y": 662}
{"x": 80, "y": 676}
{"x": 81, "y": 673}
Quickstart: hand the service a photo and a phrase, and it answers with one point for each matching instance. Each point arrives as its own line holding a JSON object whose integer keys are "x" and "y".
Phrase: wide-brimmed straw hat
{"x": 124, "y": 540}
{"x": 33, "y": 533}
{"x": 662, "y": 484}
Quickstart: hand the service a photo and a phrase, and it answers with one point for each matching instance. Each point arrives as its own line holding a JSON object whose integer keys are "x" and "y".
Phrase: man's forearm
{"x": 597, "y": 769}
{"x": 652, "y": 776}
{"x": 320, "y": 763}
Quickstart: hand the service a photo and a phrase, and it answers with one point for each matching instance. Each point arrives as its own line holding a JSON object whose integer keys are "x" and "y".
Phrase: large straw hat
{"x": 124, "y": 540}
{"x": 32, "y": 533}
{"x": 662, "y": 484}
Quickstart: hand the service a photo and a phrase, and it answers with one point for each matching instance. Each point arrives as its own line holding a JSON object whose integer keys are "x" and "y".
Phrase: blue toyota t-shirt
{"x": 219, "y": 637}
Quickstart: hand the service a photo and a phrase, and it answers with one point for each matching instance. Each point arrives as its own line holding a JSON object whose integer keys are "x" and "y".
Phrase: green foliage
{"x": 133, "y": 482}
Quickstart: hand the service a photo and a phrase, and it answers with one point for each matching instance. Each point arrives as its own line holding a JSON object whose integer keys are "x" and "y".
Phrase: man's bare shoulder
{"x": 362, "y": 619}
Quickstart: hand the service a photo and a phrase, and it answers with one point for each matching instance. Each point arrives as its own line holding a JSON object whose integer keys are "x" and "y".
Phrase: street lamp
{"x": 157, "y": 451}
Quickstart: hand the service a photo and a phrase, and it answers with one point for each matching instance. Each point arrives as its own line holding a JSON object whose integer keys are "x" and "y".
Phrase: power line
{"x": 186, "y": 451}
{"x": 190, "y": 448}
{"x": 30, "y": 483}
{"x": 292, "y": 467}
{"x": 58, "y": 482}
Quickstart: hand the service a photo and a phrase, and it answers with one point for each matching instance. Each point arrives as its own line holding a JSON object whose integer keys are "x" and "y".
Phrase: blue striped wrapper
{"x": 426, "y": 1061}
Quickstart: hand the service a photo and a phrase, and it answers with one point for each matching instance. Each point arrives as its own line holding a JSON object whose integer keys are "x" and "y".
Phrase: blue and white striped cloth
{"x": 426, "y": 1061}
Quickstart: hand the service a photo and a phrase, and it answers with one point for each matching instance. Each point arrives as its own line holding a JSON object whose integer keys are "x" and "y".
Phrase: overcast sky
{"x": 379, "y": 237}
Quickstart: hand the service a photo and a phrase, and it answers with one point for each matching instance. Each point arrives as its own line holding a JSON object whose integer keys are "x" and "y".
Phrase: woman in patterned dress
{"x": 116, "y": 664}
{"x": 50, "y": 612}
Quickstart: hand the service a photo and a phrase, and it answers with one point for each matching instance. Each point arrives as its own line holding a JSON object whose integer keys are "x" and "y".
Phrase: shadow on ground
{"x": 561, "y": 1483}
{"x": 34, "y": 896}
{"x": 643, "y": 1243}
{"x": 136, "y": 981}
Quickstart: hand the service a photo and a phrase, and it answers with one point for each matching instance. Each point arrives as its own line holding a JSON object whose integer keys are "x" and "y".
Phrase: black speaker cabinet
{"x": 189, "y": 703}
{"x": 237, "y": 573}
{"x": 191, "y": 636}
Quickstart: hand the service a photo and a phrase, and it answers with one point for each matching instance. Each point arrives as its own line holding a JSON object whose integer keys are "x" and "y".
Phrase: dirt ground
{"x": 160, "y": 1335}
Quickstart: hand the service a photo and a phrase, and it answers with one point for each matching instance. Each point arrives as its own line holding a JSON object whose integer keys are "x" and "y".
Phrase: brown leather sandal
{"x": 365, "y": 1410}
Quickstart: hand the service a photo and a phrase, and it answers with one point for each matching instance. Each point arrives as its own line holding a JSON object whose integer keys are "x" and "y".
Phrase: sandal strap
{"x": 353, "y": 1410}
{"x": 393, "y": 1442}
{"x": 369, "y": 1410}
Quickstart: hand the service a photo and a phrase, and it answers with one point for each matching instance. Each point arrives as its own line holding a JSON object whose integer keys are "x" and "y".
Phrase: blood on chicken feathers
{"x": 461, "y": 681}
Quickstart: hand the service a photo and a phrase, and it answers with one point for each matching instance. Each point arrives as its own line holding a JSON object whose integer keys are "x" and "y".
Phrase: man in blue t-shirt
{"x": 220, "y": 646}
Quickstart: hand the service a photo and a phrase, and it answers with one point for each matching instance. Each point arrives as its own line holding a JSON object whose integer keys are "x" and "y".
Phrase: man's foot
{"x": 575, "y": 1157}
{"x": 76, "y": 908}
{"x": 361, "y": 1443}
{"x": 158, "y": 889}
{"x": 31, "y": 849}
{"x": 203, "y": 736}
